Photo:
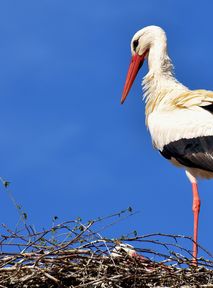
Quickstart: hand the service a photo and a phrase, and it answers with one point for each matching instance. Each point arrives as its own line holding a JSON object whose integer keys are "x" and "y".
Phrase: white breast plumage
{"x": 170, "y": 126}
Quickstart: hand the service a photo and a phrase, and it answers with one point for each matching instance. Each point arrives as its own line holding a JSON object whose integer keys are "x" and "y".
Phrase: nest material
{"x": 76, "y": 269}
{"x": 73, "y": 254}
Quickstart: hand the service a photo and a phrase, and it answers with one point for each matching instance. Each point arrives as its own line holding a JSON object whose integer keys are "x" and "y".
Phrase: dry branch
{"x": 75, "y": 254}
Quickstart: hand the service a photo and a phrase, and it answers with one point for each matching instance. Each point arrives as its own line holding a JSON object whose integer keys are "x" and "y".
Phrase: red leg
{"x": 196, "y": 210}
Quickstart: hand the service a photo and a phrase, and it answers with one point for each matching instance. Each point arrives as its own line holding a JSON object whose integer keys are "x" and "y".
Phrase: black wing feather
{"x": 194, "y": 152}
{"x": 208, "y": 108}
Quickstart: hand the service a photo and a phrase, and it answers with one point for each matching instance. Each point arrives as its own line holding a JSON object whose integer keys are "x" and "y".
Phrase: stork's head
{"x": 141, "y": 43}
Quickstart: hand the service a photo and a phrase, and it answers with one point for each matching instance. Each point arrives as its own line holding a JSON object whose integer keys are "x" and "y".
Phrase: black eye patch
{"x": 135, "y": 44}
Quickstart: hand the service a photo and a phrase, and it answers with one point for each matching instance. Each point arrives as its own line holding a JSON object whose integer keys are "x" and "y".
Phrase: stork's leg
{"x": 196, "y": 210}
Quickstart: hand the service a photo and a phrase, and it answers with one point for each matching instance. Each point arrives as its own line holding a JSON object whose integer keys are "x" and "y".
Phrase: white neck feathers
{"x": 158, "y": 59}
{"x": 159, "y": 84}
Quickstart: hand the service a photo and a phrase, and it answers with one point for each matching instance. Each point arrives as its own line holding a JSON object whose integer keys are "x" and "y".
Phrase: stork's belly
{"x": 186, "y": 139}
{"x": 167, "y": 127}
{"x": 196, "y": 172}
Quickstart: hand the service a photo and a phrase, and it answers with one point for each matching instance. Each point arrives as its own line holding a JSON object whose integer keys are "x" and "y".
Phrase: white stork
{"x": 180, "y": 120}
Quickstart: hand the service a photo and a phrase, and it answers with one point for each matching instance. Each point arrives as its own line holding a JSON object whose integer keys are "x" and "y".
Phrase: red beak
{"x": 134, "y": 67}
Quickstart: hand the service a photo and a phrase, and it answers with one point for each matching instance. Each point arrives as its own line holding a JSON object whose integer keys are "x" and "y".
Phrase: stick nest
{"x": 75, "y": 254}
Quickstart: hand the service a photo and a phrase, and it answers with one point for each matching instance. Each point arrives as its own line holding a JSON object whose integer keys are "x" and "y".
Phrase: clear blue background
{"x": 66, "y": 144}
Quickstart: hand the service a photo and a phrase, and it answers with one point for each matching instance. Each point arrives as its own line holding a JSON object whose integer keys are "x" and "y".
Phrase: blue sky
{"x": 67, "y": 145}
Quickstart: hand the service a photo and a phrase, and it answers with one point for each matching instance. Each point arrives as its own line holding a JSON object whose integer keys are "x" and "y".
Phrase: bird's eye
{"x": 135, "y": 44}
